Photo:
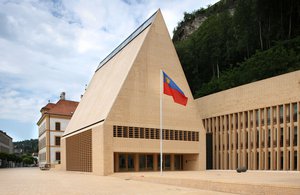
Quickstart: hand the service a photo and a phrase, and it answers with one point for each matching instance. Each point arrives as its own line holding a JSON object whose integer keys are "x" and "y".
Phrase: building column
{"x": 230, "y": 141}
{"x": 249, "y": 142}
{"x": 155, "y": 163}
{"x": 298, "y": 137}
{"x": 244, "y": 139}
{"x": 226, "y": 141}
{"x": 214, "y": 143}
{"x": 172, "y": 162}
{"x": 255, "y": 141}
{"x": 217, "y": 140}
{"x": 271, "y": 139}
{"x": 260, "y": 165}
{"x": 266, "y": 149}
{"x": 136, "y": 162}
{"x": 291, "y": 137}
{"x": 278, "y": 139}
{"x": 284, "y": 138}
{"x": 116, "y": 162}
{"x": 239, "y": 140}
{"x": 221, "y": 142}
{"x": 234, "y": 141}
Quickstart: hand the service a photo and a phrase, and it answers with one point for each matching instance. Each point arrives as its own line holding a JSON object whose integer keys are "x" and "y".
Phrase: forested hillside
{"x": 235, "y": 42}
{"x": 27, "y": 146}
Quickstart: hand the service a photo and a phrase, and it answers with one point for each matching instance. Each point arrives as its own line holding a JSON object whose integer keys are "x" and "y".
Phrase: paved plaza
{"x": 34, "y": 181}
{"x": 229, "y": 181}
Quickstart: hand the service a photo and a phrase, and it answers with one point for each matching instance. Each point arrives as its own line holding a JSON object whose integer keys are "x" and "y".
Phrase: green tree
{"x": 28, "y": 160}
{"x": 228, "y": 49}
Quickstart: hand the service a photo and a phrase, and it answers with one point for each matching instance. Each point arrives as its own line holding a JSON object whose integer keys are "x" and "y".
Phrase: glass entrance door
{"x": 130, "y": 159}
{"x": 146, "y": 162}
{"x": 126, "y": 162}
{"x": 166, "y": 162}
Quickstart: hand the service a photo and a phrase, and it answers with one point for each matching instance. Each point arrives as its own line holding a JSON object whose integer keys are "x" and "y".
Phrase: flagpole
{"x": 161, "y": 122}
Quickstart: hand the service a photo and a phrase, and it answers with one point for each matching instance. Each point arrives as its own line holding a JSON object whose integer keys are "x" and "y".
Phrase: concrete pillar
{"x": 239, "y": 139}
{"x": 116, "y": 162}
{"x": 260, "y": 140}
{"x": 284, "y": 138}
{"x": 266, "y": 138}
{"x": 155, "y": 162}
{"x": 230, "y": 141}
{"x": 278, "y": 139}
{"x": 225, "y": 142}
{"x": 272, "y": 159}
{"x": 291, "y": 137}
{"x": 221, "y": 123}
{"x": 243, "y": 139}
{"x": 249, "y": 142}
{"x": 218, "y": 143}
{"x": 172, "y": 162}
{"x": 298, "y": 137}
{"x": 234, "y": 141}
{"x": 214, "y": 143}
{"x": 255, "y": 167}
{"x": 136, "y": 162}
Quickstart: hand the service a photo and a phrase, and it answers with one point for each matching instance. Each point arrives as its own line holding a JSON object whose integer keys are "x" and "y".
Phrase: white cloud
{"x": 53, "y": 46}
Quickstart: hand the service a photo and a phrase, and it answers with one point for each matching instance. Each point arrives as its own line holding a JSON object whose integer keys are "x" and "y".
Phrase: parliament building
{"x": 116, "y": 126}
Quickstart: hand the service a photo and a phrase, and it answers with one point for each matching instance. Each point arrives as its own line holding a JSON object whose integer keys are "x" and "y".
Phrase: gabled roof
{"x": 108, "y": 80}
{"x": 125, "y": 90}
{"x": 135, "y": 33}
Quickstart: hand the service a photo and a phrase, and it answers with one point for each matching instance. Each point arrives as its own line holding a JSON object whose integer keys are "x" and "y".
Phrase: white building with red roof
{"x": 51, "y": 125}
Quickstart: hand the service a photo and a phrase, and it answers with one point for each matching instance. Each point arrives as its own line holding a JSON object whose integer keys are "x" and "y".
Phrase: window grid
{"x": 151, "y": 133}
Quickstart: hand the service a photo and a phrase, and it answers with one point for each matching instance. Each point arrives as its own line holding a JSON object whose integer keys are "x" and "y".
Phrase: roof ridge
{"x": 134, "y": 34}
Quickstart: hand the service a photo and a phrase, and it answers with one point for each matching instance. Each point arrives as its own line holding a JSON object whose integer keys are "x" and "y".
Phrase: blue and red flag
{"x": 171, "y": 89}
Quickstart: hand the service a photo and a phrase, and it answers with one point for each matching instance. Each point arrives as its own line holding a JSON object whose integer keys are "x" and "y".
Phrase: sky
{"x": 51, "y": 46}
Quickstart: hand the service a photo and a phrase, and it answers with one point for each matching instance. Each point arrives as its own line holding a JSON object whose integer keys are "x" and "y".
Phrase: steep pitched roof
{"x": 135, "y": 33}
{"x": 107, "y": 81}
{"x": 138, "y": 101}
{"x": 125, "y": 88}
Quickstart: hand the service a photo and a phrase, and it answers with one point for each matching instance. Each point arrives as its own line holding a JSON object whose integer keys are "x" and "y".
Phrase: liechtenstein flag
{"x": 171, "y": 89}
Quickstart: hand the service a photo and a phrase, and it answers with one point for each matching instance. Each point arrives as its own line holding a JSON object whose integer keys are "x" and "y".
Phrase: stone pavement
{"x": 251, "y": 182}
{"x": 15, "y": 181}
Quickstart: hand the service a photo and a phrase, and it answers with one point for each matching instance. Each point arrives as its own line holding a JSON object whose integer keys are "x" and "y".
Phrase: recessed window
{"x": 152, "y": 133}
{"x": 57, "y": 126}
{"x": 57, "y": 141}
{"x": 57, "y": 155}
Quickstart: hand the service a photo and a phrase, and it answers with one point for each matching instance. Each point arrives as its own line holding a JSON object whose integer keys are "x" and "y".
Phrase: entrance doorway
{"x": 124, "y": 162}
{"x": 209, "y": 151}
{"x": 145, "y": 162}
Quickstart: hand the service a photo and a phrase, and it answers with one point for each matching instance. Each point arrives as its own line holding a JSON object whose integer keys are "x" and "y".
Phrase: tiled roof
{"x": 48, "y": 106}
{"x": 62, "y": 107}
